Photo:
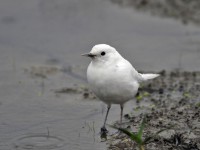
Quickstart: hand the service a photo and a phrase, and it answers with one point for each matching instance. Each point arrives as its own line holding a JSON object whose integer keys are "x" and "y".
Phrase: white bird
{"x": 112, "y": 78}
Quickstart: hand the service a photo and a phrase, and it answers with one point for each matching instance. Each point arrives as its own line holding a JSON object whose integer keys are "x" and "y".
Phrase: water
{"x": 54, "y": 33}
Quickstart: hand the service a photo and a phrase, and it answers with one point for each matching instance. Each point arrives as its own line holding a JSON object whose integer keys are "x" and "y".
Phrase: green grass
{"x": 137, "y": 137}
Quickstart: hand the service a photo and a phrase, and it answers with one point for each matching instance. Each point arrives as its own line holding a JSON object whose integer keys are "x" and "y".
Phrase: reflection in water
{"x": 103, "y": 136}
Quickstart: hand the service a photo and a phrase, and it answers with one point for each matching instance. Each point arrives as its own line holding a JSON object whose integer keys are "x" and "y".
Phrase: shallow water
{"x": 54, "y": 33}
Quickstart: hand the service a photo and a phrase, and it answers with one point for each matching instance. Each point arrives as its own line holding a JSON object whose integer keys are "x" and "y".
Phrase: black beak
{"x": 89, "y": 55}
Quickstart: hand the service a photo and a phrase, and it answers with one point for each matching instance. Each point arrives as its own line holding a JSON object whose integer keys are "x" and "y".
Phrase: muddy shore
{"x": 173, "y": 99}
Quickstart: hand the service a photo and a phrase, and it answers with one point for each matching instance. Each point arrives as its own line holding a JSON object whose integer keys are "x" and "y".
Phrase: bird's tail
{"x": 149, "y": 76}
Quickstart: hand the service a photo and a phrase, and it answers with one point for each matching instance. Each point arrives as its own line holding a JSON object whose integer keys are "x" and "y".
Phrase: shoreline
{"x": 172, "y": 99}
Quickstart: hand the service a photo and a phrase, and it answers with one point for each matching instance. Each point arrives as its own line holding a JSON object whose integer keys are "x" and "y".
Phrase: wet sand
{"x": 41, "y": 43}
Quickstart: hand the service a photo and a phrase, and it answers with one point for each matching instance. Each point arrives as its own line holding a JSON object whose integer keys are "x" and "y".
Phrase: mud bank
{"x": 170, "y": 100}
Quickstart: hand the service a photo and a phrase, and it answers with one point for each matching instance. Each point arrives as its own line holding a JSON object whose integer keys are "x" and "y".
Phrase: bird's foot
{"x": 103, "y": 133}
{"x": 104, "y": 130}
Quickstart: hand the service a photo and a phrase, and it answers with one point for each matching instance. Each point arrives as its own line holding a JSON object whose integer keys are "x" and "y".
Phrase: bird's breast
{"x": 111, "y": 85}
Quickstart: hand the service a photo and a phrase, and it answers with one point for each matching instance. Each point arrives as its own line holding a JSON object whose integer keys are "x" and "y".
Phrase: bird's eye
{"x": 103, "y": 53}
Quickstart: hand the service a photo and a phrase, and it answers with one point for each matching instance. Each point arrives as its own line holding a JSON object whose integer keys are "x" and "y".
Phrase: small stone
{"x": 85, "y": 95}
{"x": 161, "y": 91}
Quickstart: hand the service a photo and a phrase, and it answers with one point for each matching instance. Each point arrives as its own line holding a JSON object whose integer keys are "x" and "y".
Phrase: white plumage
{"x": 112, "y": 78}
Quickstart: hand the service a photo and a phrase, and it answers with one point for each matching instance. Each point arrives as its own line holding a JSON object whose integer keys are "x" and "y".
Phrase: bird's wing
{"x": 134, "y": 75}
{"x": 138, "y": 76}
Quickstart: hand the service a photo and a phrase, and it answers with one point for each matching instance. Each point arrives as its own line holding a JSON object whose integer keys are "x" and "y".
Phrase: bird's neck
{"x": 101, "y": 62}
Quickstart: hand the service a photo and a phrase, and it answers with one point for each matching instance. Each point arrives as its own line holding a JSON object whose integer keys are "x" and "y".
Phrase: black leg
{"x": 121, "y": 115}
{"x": 103, "y": 129}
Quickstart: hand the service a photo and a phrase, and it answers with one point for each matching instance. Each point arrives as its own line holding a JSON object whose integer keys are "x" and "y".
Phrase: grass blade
{"x": 140, "y": 132}
{"x": 133, "y": 136}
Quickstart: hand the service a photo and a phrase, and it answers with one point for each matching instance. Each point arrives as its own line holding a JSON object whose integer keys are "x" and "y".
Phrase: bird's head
{"x": 103, "y": 53}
